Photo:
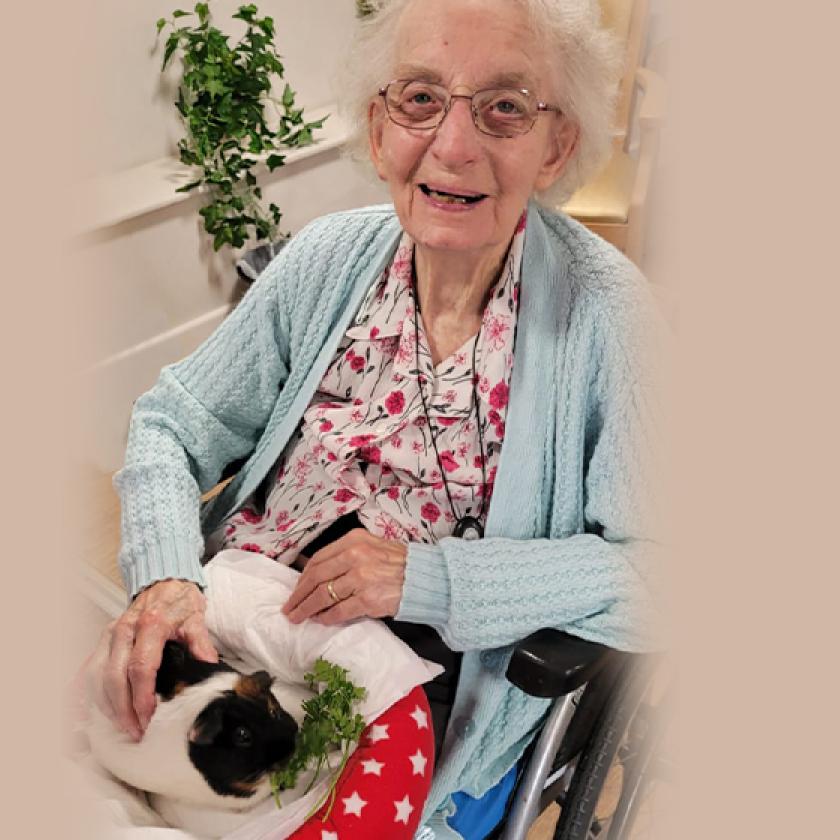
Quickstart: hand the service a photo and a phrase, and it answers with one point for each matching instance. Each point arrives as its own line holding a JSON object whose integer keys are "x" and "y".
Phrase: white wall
{"x": 133, "y": 111}
{"x": 152, "y": 283}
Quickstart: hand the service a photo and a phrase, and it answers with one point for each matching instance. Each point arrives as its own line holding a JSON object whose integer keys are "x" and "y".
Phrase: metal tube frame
{"x": 526, "y": 802}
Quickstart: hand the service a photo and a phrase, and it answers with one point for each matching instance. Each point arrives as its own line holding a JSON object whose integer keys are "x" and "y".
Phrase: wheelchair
{"x": 597, "y": 754}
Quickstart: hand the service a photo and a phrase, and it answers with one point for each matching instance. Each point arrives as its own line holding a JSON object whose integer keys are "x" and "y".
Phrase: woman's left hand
{"x": 366, "y": 574}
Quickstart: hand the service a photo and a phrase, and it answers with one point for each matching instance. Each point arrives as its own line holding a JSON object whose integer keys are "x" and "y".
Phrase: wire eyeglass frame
{"x": 539, "y": 107}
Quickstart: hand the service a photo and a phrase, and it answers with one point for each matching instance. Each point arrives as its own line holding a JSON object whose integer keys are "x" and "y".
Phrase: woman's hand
{"x": 366, "y": 574}
{"x": 121, "y": 675}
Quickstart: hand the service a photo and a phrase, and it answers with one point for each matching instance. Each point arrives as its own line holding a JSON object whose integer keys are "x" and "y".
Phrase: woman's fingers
{"x": 355, "y": 538}
{"x": 115, "y": 685}
{"x": 346, "y": 610}
{"x": 319, "y": 598}
{"x": 123, "y": 671}
{"x": 313, "y": 578}
{"x": 143, "y": 664}
{"x": 359, "y": 564}
{"x": 196, "y": 636}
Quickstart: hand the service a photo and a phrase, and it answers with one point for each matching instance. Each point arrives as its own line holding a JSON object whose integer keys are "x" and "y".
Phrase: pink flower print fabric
{"x": 365, "y": 444}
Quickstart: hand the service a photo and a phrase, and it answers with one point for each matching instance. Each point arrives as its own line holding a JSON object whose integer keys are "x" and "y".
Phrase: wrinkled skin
{"x": 120, "y": 675}
{"x": 367, "y": 574}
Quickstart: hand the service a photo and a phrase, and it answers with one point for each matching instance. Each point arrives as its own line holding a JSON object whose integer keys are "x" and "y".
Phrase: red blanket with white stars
{"x": 380, "y": 794}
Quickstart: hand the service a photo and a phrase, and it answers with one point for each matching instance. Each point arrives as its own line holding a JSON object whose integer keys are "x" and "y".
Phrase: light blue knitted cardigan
{"x": 569, "y": 539}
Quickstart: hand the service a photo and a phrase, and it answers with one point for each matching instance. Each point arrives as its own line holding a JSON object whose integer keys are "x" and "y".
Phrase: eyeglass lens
{"x": 501, "y": 112}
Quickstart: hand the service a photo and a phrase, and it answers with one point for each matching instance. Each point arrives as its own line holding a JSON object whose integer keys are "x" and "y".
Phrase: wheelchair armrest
{"x": 550, "y": 663}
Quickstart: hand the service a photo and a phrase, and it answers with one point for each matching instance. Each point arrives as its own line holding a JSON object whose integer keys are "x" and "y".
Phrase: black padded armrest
{"x": 550, "y": 663}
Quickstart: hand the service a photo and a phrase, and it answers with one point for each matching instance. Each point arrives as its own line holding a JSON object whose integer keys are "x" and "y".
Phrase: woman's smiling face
{"x": 466, "y": 47}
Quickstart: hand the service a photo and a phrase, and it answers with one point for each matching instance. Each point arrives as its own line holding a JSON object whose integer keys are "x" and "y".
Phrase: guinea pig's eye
{"x": 242, "y": 736}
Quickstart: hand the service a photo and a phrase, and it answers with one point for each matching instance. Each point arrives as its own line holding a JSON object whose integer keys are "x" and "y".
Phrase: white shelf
{"x": 121, "y": 196}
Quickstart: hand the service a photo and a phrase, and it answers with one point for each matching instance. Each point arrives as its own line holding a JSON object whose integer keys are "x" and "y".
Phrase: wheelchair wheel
{"x": 614, "y": 772}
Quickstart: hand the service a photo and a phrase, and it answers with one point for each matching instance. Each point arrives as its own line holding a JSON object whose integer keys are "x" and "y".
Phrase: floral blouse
{"x": 364, "y": 443}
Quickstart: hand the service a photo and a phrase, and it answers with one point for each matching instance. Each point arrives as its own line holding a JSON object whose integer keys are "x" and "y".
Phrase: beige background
{"x": 753, "y": 232}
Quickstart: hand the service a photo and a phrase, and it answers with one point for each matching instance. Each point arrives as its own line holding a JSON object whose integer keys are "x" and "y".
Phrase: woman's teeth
{"x": 446, "y": 198}
{"x": 450, "y": 198}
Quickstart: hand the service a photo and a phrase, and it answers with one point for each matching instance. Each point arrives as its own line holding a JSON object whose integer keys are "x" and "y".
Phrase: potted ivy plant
{"x": 233, "y": 123}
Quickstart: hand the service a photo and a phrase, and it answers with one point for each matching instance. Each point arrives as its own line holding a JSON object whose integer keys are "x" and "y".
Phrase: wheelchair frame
{"x": 598, "y": 694}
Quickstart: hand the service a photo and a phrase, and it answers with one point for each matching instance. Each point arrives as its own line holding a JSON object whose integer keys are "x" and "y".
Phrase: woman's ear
{"x": 561, "y": 147}
{"x": 376, "y": 124}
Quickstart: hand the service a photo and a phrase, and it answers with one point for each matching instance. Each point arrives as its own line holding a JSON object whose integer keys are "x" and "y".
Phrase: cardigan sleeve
{"x": 203, "y": 413}
{"x": 604, "y": 584}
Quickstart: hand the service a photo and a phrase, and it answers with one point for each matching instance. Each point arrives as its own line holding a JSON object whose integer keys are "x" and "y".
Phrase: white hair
{"x": 587, "y": 70}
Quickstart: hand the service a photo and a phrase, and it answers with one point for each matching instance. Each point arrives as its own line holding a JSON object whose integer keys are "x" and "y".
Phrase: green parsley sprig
{"x": 330, "y": 722}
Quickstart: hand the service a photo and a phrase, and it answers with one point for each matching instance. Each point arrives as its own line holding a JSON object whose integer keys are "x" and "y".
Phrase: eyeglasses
{"x": 499, "y": 112}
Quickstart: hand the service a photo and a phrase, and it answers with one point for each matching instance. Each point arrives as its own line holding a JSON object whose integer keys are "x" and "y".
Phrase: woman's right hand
{"x": 122, "y": 672}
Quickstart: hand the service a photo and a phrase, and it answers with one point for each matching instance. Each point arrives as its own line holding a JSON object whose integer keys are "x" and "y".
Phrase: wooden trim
{"x": 636, "y": 38}
{"x": 616, "y": 234}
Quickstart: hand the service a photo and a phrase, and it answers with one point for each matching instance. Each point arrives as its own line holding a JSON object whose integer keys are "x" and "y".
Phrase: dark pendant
{"x": 468, "y": 528}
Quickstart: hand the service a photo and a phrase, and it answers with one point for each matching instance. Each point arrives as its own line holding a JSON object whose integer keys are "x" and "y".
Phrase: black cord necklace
{"x": 466, "y": 527}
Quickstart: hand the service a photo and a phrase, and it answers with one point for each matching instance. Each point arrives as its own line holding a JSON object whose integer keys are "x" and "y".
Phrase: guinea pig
{"x": 212, "y": 741}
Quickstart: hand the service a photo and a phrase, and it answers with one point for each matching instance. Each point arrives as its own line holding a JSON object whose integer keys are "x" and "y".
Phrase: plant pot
{"x": 252, "y": 263}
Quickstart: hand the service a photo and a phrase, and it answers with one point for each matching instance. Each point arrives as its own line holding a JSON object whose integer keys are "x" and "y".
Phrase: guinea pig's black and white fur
{"x": 214, "y": 736}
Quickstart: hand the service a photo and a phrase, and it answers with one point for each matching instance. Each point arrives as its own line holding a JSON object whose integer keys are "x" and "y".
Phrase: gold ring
{"x": 332, "y": 592}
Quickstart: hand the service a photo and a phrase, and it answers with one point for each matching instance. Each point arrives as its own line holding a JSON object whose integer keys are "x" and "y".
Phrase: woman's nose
{"x": 456, "y": 141}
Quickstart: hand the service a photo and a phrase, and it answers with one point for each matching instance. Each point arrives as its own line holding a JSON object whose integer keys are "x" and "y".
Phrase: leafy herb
{"x": 222, "y": 99}
{"x": 330, "y": 722}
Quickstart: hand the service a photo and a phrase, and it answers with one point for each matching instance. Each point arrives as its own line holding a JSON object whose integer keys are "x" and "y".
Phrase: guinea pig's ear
{"x": 254, "y": 685}
{"x": 207, "y": 726}
{"x": 174, "y": 653}
{"x": 263, "y": 680}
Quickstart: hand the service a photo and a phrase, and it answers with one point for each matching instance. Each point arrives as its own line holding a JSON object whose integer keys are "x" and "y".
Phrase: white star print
{"x": 420, "y": 718}
{"x": 418, "y": 763}
{"x": 372, "y": 767}
{"x": 404, "y": 809}
{"x": 354, "y": 804}
{"x": 378, "y": 733}
{"x": 329, "y": 835}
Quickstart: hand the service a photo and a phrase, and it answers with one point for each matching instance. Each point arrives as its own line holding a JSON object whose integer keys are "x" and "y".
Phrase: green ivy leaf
{"x": 267, "y": 26}
{"x": 160, "y": 24}
{"x": 215, "y": 88}
{"x": 274, "y": 161}
{"x": 223, "y": 236}
{"x": 171, "y": 46}
{"x": 181, "y": 104}
{"x": 179, "y": 13}
{"x": 191, "y": 186}
{"x": 288, "y": 96}
{"x": 246, "y": 13}
{"x": 300, "y": 138}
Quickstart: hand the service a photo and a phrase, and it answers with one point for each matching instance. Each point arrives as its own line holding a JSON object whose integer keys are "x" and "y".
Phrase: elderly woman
{"x": 440, "y": 409}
